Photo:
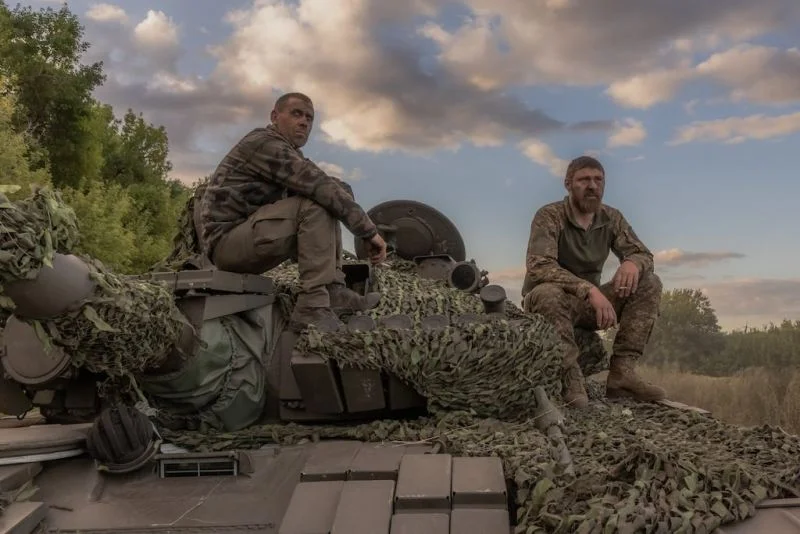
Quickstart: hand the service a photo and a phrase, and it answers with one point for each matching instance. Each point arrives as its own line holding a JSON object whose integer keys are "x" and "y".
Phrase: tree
{"x": 687, "y": 333}
{"x": 14, "y": 166}
{"x": 40, "y": 53}
{"x": 135, "y": 151}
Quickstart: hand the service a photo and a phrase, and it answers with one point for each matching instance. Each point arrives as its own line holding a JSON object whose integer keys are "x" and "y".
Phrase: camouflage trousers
{"x": 294, "y": 228}
{"x": 636, "y": 315}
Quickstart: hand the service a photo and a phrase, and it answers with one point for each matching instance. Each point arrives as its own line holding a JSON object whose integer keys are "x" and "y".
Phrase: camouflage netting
{"x": 31, "y": 231}
{"x": 124, "y": 327}
{"x": 461, "y": 367}
{"x": 638, "y": 467}
{"x": 185, "y": 244}
{"x": 404, "y": 293}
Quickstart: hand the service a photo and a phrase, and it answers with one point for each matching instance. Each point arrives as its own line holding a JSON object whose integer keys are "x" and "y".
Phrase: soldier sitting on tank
{"x": 569, "y": 242}
{"x": 266, "y": 203}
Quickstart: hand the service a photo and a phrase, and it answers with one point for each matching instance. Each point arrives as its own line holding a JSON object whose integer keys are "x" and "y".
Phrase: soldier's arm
{"x": 628, "y": 247}
{"x": 281, "y": 163}
{"x": 344, "y": 185}
{"x": 541, "y": 260}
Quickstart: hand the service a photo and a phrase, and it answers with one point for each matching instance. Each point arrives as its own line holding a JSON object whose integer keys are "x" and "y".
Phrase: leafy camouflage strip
{"x": 126, "y": 327}
{"x": 403, "y": 292}
{"x": 646, "y": 467}
{"x": 185, "y": 244}
{"x": 488, "y": 368}
{"x": 31, "y": 232}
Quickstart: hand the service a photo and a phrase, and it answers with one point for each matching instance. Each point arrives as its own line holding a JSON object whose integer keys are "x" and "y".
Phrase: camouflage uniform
{"x": 563, "y": 263}
{"x": 266, "y": 203}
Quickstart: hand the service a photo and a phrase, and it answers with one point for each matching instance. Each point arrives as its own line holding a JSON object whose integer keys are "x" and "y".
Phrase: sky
{"x": 476, "y": 106}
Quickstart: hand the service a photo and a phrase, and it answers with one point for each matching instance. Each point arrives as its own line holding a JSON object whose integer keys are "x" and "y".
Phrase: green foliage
{"x": 114, "y": 172}
{"x": 135, "y": 152}
{"x": 687, "y": 337}
{"x": 102, "y": 210}
{"x": 15, "y": 168}
{"x": 40, "y": 54}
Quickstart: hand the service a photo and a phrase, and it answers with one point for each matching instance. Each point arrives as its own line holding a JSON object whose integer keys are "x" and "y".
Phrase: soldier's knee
{"x": 545, "y": 299}
{"x": 651, "y": 283}
{"x": 310, "y": 211}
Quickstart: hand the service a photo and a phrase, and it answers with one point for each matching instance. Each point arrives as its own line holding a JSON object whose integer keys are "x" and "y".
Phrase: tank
{"x": 179, "y": 401}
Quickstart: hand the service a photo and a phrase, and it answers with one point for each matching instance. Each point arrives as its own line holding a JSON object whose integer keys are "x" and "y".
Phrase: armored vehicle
{"x": 178, "y": 401}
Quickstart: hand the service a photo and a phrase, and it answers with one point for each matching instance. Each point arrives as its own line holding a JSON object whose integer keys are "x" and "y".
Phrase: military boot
{"x": 574, "y": 390}
{"x": 322, "y": 318}
{"x": 623, "y": 381}
{"x": 345, "y": 299}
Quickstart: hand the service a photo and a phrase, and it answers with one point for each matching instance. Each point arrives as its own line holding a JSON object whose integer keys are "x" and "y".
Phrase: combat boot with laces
{"x": 623, "y": 381}
{"x": 344, "y": 299}
{"x": 574, "y": 390}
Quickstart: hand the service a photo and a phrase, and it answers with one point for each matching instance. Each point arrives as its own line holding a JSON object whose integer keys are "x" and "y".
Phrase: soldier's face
{"x": 294, "y": 121}
{"x": 586, "y": 189}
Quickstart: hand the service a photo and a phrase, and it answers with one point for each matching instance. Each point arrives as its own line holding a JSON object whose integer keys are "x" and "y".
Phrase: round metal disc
{"x": 361, "y": 323}
{"x": 420, "y": 230}
{"x": 26, "y": 359}
{"x": 493, "y": 294}
{"x": 397, "y": 322}
{"x": 433, "y": 322}
{"x": 55, "y": 290}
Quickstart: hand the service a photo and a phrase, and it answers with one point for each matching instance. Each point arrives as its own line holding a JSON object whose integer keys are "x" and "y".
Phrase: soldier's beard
{"x": 589, "y": 204}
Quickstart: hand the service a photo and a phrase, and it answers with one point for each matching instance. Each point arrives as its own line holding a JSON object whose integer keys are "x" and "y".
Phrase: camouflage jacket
{"x": 561, "y": 252}
{"x": 265, "y": 167}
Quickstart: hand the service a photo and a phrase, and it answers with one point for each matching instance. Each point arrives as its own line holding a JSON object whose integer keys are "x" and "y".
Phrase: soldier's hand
{"x": 377, "y": 249}
{"x": 626, "y": 279}
{"x": 604, "y": 311}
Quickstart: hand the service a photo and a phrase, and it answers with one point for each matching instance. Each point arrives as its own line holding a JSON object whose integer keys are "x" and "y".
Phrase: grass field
{"x": 752, "y": 397}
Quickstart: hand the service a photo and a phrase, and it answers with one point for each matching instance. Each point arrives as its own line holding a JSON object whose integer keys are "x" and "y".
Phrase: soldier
{"x": 266, "y": 203}
{"x": 569, "y": 242}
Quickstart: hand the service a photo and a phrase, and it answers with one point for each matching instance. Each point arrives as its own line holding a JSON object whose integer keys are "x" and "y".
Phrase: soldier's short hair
{"x": 284, "y": 98}
{"x": 583, "y": 162}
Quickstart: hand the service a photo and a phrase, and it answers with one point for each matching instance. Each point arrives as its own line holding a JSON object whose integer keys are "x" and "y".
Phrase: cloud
{"x": 759, "y": 74}
{"x": 643, "y": 91}
{"x": 734, "y": 130}
{"x": 754, "y": 301}
{"x": 677, "y": 257}
{"x": 107, "y": 13}
{"x": 336, "y": 170}
{"x": 630, "y": 132}
{"x": 157, "y": 31}
{"x": 607, "y": 41}
{"x": 371, "y": 93}
{"x": 512, "y": 274}
{"x": 542, "y": 154}
{"x": 374, "y": 95}
{"x": 389, "y": 76}
{"x": 745, "y": 72}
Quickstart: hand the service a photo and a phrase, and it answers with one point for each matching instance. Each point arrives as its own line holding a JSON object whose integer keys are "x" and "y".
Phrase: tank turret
{"x": 223, "y": 357}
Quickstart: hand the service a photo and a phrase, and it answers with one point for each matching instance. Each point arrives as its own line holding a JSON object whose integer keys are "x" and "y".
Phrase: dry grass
{"x": 752, "y": 397}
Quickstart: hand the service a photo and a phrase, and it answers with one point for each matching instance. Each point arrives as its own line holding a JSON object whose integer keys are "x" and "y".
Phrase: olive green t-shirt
{"x": 562, "y": 252}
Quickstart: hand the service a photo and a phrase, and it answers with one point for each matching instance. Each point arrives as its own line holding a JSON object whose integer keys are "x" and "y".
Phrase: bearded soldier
{"x": 569, "y": 243}
{"x": 266, "y": 203}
